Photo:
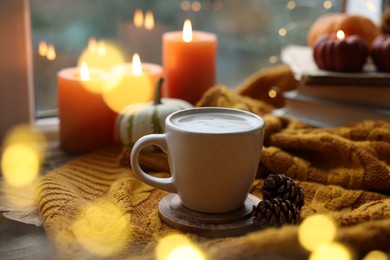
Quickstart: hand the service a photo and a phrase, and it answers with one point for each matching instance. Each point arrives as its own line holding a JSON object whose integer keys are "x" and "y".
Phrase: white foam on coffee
{"x": 211, "y": 122}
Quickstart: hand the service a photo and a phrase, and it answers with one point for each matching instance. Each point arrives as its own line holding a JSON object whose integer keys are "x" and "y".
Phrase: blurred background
{"x": 251, "y": 33}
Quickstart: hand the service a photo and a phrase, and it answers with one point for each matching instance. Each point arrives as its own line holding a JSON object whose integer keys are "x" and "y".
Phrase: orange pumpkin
{"x": 350, "y": 24}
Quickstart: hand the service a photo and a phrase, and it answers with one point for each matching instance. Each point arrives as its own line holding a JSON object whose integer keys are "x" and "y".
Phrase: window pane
{"x": 250, "y": 33}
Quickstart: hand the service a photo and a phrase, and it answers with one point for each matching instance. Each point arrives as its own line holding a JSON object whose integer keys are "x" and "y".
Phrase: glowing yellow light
{"x": 51, "y": 52}
{"x": 316, "y": 230}
{"x": 20, "y": 164}
{"x": 105, "y": 56}
{"x": 136, "y": 65}
{"x": 101, "y": 48}
{"x": 340, "y": 34}
{"x": 22, "y": 155}
{"x": 272, "y": 93}
{"x": 291, "y": 5}
{"x": 196, "y": 6}
{"x": 331, "y": 251}
{"x": 84, "y": 72}
{"x": 177, "y": 246}
{"x": 102, "y": 228}
{"x": 92, "y": 44}
{"x": 42, "y": 48}
{"x": 185, "y": 252}
{"x": 282, "y": 32}
{"x": 138, "y": 18}
{"x": 133, "y": 87}
{"x": 371, "y": 6}
{"x": 149, "y": 21}
{"x": 187, "y": 31}
{"x": 327, "y": 4}
{"x": 185, "y": 5}
{"x": 376, "y": 255}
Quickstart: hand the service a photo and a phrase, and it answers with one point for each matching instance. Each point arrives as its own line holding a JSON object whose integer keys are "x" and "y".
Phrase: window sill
{"x": 49, "y": 127}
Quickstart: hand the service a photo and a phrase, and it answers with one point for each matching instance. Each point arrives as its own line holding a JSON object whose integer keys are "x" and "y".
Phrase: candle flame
{"x": 92, "y": 44}
{"x": 84, "y": 72}
{"x": 136, "y": 65}
{"x": 149, "y": 20}
{"x": 340, "y": 35}
{"x": 138, "y": 18}
{"x": 42, "y": 49}
{"x": 51, "y": 53}
{"x": 187, "y": 31}
{"x": 371, "y": 6}
{"x": 101, "y": 48}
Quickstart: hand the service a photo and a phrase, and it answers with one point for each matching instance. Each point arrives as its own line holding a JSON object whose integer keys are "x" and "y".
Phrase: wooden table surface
{"x": 23, "y": 241}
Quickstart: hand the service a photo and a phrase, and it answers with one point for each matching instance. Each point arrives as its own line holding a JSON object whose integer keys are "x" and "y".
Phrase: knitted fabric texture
{"x": 94, "y": 208}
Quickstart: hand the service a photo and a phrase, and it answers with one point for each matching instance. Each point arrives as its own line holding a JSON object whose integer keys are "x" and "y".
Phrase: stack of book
{"x": 325, "y": 98}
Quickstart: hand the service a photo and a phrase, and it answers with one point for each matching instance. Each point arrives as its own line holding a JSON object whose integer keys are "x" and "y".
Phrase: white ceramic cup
{"x": 213, "y": 155}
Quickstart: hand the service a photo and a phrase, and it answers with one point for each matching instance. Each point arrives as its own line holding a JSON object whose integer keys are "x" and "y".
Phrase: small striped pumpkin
{"x": 137, "y": 120}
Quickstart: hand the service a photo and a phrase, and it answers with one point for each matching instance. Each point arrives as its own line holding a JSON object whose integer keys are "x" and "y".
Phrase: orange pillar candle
{"x": 189, "y": 62}
{"x": 86, "y": 122}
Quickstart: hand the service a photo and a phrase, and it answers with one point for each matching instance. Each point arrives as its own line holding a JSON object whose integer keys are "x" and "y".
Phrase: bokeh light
{"x": 376, "y": 255}
{"x": 272, "y": 93}
{"x": 282, "y": 32}
{"x": 273, "y": 59}
{"x": 196, "y": 6}
{"x": 316, "y": 230}
{"x": 138, "y": 18}
{"x": 51, "y": 52}
{"x": 218, "y": 5}
{"x": 149, "y": 20}
{"x": 291, "y": 5}
{"x": 327, "y": 4}
{"x": 102, "y": 228}
{"x": 23, "y": 153}
{"x": 185, "y": 5}
{"x": 134, "y": 85}
{"x": 331, "y": 251}
{"x": 178, "y": 246}
{"x": 104, "y": 56}
{"x": 100, "y": 57}
{"x": 20, "y": 164}
{"x": 42, "y": 48}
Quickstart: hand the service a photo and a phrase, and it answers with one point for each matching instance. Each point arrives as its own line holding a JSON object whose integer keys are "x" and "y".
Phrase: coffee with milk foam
{"x": 210, "y": 122}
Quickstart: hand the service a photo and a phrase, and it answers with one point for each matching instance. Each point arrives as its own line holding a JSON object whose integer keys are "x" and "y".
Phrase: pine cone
{"x": 275, "y": 212}
{"x": 281, "y": 186}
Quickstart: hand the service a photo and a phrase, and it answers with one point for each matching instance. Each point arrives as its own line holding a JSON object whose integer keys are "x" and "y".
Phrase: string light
{"x": 327, "y": 4}
{"x": 185, "y": 5}
{"x": 282, "y": 32}
{"x": 196, "y": 6}
{"x": 291, "y": 5}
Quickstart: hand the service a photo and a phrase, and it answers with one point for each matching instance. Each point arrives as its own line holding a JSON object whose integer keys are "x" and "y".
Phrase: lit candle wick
{"x": 340, "y": 35}
{"x": 136, "y": 65}
{"x": 84, "y": 72}
{"x": 187, "y": 31}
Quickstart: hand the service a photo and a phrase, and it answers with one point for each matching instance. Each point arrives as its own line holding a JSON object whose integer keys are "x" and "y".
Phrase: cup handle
{"x": 160, "y": 183}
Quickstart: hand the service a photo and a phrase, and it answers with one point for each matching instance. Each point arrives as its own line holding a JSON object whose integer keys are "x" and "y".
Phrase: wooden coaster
{"x": 234, "y": 223}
